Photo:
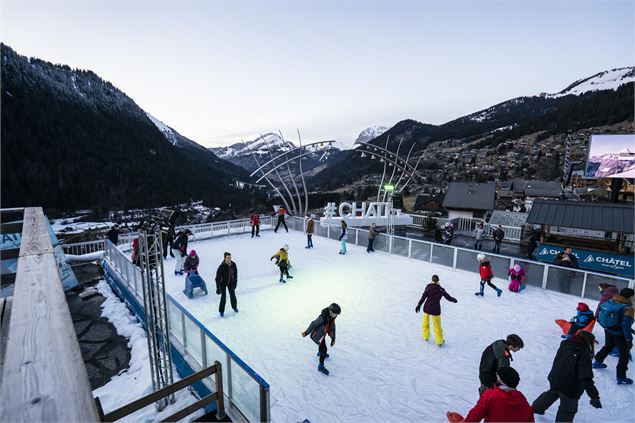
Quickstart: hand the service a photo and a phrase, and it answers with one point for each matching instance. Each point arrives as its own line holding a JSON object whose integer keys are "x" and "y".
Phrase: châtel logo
{"x": 589, "y": 259}
{"x": 544, "y": 251}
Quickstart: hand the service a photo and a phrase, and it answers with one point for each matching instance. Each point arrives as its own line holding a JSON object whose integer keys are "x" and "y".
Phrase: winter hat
{"x": 480, "y": 257}
{"x": 517, "y": 268}
{"x": 335, "y": 308}
{"x": 285, "y": 247}
{"x": 509, "y": 376}
{"x": 627, "y": 292}
{"x": 582, "y": 307}
{"x": 193, "y": 253}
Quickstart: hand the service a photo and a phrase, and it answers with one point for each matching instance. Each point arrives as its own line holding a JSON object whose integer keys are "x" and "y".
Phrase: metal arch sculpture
{"x": 394, "y": 160}
{"x": 285, "y": 159}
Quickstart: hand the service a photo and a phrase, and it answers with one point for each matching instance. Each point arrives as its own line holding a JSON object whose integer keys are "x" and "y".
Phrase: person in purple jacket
{"x": 607, "y": 291}
{"x": 432, "y": 307}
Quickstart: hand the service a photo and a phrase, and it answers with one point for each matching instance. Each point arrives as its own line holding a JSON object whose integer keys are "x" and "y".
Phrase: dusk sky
{"x": 219, "y": 72}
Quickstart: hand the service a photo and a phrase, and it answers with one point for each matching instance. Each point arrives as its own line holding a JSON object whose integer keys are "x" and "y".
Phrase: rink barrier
{"x": 194, "y": 346}
{"x": 543, "y": 275}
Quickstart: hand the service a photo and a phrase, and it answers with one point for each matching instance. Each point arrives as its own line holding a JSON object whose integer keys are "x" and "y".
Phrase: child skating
{"x": 282, "y": 261}
{"x": 319, "y": 328}
{"x": 485, "y": 269}
{"x": 431, "y": 300}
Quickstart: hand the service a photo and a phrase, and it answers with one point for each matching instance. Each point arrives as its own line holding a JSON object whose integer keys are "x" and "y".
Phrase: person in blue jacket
{"x": 583, "y": 317}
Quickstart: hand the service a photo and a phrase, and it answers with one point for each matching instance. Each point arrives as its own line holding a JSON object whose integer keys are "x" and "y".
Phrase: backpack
{"x": 609, "y": 316}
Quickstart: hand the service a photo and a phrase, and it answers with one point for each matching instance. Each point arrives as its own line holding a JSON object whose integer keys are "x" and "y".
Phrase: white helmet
{"x": 480, "y": 257}
{"x": 285, "y": 247}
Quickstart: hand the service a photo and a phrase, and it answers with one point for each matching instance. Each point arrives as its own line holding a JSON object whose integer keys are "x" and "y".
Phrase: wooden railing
{"x": 43, "y": 374}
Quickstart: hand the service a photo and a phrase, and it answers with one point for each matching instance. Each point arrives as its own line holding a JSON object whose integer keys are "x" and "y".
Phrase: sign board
{"x": 591, "y": 260}
{"x": 364, "y": 214}
{"x": 611, "y": 156}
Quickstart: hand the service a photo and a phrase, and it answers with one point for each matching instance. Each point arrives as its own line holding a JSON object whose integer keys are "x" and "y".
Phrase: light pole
{"x": 390, "y": 229}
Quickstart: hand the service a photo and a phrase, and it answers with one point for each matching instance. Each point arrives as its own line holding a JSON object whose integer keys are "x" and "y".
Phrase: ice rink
{"x": 381, "y": 369}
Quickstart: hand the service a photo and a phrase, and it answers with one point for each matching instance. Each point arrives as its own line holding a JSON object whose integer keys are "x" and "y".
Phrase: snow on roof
{"x": 381, "y": 369}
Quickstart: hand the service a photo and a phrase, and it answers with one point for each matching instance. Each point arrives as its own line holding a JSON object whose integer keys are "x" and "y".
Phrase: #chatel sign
{"x": 364, "y": 214}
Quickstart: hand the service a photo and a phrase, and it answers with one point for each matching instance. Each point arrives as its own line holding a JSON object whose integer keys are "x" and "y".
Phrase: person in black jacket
{"x": 571, "y": 374}
{"x": 227, "y": 280}
{"x": 566, "y": 258}
{"x": 532, "y": 243}
{"x": 113, "y": 234}
{"x": 498, "y": 236}
{"x": 319, "y": 328}
{"x": 498, "y": 354}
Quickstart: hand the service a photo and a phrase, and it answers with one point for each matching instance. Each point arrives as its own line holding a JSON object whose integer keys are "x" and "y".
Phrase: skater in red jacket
{"x": 503, "y": 403}
{"x": 255, "y": 225}
{"x": 485, "y": 269}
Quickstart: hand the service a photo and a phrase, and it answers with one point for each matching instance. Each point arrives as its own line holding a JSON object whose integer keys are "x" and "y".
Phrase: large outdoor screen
{"x": 611, "y": 156}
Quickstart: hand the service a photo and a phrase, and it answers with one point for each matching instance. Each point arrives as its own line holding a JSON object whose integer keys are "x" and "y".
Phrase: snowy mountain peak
{"x": 607, "y": 80}
{"x": 166, "y": 130}
{"x": 260, "y": 146}
{"x": 370, "y": 133}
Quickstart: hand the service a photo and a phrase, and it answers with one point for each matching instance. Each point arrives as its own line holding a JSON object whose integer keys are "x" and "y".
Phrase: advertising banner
{"x": 591, "y": 260}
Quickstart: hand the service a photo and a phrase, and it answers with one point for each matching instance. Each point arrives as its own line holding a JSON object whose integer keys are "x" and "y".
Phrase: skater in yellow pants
{"x": 432, "y": 307}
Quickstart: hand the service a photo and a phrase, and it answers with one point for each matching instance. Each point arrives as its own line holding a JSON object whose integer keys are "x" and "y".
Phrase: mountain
{"x": 370, "y": 133}
{"x": 263, "y": 149}
{"x": 72, "y": 140}
{"x": 603, "y": 99}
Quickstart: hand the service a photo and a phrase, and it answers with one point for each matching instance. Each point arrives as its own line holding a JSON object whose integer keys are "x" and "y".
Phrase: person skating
{"x": 517, "y": 278}
{"x": 282, "y": 261}
{"x": 343, "y": 236}
{"x": 372, "y": 234}
{"x": 227, "y": 280}
{"x": 191, "y": 263}
{"x": 498, "y": 354}
{"x": 616, "y": 317}
{"x": 503, "y": 403}
{"x": 310, "y": 224}
{"x": 485, "y": 270}
{"x": 583, "y": 317}
{"x": 607, "y": 292}
{"x": 319, "y": 328}
{"x": 571, "y": 374}
{"x": 479, "y": 232}
{"x": 255, "y": 225}
{"x": 167, "y": 239}
{"x": 498, "y": 236}
{"x": 431, "y": 300}
{"x": 179, "y": 247}
{"x": 193, "y": 280}
{"x": 280, "y": 213}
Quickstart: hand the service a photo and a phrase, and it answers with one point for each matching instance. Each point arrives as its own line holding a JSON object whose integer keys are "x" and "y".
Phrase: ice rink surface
{"x": 381, "y": 369}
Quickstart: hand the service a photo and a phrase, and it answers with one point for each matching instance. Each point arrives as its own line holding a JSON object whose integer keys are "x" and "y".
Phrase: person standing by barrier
{"x": 255, "y": 225}
{"x": 431, "y": 300}
{"x": 479, "y": 232}
{"x": 113, "y": 234}
{"x": 616, "y": 317}
{"x": 570, "y": 376}
{"x": 498, "y": 236}
{"x": 532, "y": 243}
{"x": 372, "y": 234}
{"x": 280, "y": 213}
{"x": 319, "y": 328}
{"x": 566, "y": 258}
{"x": 343, "y": 237}
{"x": 485, "y": 270}
{"x": 227, "y": 280}
{"x": 309, "y": 232}
{"x": 179, "y": 247}
{"x": 498, "y": 354}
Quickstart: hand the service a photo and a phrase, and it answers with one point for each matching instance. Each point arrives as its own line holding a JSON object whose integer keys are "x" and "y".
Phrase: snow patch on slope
{"x": 607, "y": 80}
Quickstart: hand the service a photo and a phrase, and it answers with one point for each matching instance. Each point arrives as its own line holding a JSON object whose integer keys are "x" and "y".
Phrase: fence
{"x": 546, "y": 276}
{"x": 512, "y": 233}
{"x": 244, "y": 390}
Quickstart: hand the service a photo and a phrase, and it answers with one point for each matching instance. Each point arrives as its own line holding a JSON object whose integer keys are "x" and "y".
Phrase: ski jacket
{"x": 607, "y": 294}
{"x": 572, "y": 262}
{"x": 344, "y": 233}
{"x": 191, "y": 264}
{"x": 516, "y": 276}
{"x": 501, "y": 404}
{"x": 571, "y": 372}
{"x": 485, "y": 269}
{"x": 227, "y": 275}
{"x": 322, "y": 326}
{"x": 432, "y": 297}
{"x": 625, "y": 319}
{"x": 582, "y": 318}
{"x": 255, "y": 220}
{"x": 113, "y": 235}
{"x": 498, "y": 234}
{"x": 280, "y": 213}
{"x": 282, "y": 257}
{"x": 309, "y": 226}
{"x": 372, "y": 233}
{"x": 180, "y": 243}
{"x": 493, "y": 358}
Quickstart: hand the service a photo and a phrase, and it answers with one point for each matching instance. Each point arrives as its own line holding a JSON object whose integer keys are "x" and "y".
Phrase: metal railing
{"x": 246, "y": 391}
{"x": 512, "y": 233}
{"x": 544, "y": 275}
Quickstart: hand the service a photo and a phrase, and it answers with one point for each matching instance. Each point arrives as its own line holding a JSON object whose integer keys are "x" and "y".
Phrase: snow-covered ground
{"x": 70, "y": 226}
{"x": 136, "y": 381}
{"x": 381, "y": 369}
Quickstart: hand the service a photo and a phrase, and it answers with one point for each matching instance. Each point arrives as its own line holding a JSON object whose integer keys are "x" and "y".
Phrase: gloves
{"x": 417, "y": 308}
{"x": 595, "y": 402}
{"x": 333, "y": 342}
{"x": 455, "y": 301}
{"x": 303, "y": 334}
